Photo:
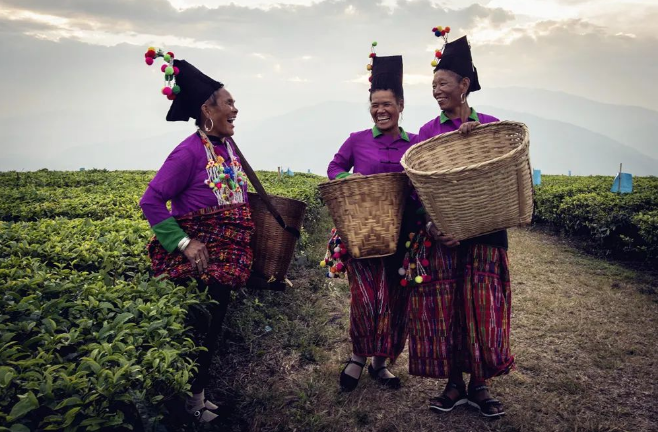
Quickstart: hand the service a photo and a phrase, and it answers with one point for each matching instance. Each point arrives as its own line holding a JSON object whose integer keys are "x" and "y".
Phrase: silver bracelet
{"x": 183, "y": 243}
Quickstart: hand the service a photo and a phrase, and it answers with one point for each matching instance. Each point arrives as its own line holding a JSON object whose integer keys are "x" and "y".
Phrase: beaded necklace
{"x": 226, "y": 179}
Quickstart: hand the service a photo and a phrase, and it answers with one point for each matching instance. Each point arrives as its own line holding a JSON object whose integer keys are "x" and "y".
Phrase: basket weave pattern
{"x": 273, "y": 247}
{"x": 475, "y": 184}
{"x": 367, "y": 211}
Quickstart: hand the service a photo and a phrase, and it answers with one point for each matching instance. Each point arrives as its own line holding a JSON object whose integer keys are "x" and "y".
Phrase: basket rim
{"x": 256, "y": 195}
{"x": 522, "y": 146}
{"x": 361, "y": 177}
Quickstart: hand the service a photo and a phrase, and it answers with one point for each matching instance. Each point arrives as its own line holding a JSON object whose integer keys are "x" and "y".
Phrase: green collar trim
{"x": 376, "y": 132}
{"x": 474, "y": 116}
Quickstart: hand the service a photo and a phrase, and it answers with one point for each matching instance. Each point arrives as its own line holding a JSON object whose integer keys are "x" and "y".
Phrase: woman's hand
{"x": 445, "y": 239}
{"x": 197, "y": 253}
{"x": 467, "y": 127}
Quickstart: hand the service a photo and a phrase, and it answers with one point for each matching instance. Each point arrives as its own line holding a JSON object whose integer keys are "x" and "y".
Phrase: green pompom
{"x": 175, "y": 89}
{"x": 169, "y": 70}
{"x": 169, "y": 77}
{"x": 374, "y": 43}
{"x": 167, "y": 58}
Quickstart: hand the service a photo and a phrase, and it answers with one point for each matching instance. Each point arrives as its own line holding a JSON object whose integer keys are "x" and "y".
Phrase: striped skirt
{"x": 378, "y": 319}
{"x": 461, "y": 320}
{"x": 226, "y": 231}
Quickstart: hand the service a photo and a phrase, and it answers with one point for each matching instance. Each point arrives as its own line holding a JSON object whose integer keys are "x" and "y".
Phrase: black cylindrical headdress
{"x": 387, "y": 75}
{"x": 456, "y": 57}
{"x": 185, "y": 85}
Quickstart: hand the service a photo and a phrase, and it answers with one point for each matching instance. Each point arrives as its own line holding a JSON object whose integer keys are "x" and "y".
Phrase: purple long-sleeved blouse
{"x": 371, "y": 152}
{"x": 181, "y": 181}
{"x": 442, "y": 124}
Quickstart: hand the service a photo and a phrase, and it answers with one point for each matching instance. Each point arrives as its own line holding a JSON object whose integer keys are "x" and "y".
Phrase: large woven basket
{"x": 367, "y": 211}
{"x": 475, "y": 184}
{"x": 273, "y": 247}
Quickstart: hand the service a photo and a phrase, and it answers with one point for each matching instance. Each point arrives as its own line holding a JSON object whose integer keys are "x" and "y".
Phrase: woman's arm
{"x": 343, "y": 161}
{"x": 172, "y": 178}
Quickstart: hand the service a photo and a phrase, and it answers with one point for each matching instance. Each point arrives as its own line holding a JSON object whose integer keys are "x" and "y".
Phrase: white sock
{"x": 196, "y": 402}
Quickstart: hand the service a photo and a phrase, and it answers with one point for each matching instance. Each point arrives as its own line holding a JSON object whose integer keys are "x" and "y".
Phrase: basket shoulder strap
{"x": 253, "y": 178}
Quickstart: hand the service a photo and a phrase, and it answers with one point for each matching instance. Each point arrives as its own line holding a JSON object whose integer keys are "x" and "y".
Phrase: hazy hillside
{"x": 579, "y": 137}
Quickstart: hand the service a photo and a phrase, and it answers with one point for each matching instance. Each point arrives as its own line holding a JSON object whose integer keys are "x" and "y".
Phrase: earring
{"x": 401, "y": 117}
{"x": 205, "y": 125}
{"x": 463, "y": 98}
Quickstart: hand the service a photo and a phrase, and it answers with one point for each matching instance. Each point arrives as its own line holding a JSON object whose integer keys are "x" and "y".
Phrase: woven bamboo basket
{"x": 475, "y": 184}
{"x": 367, "y": 211}
{"x": 273, "y": 247}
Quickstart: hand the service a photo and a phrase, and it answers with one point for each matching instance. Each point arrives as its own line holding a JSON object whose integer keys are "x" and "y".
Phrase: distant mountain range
{"x": 567, "y": 133}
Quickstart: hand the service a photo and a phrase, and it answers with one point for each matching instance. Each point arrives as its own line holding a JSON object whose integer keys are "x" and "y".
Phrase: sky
{"x": 72, "y": 71}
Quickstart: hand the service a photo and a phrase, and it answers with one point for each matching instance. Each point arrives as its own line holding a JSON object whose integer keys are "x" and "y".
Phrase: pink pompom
{"x": 166, "y": 91}
{"x": 149, "y": 61}
{"x": 427, "y": 278}
{"x": 176, "y": 70}
{"x": 339, "y": 266}
{"x": 336, "y": 255}
{"x": 164, "y": 66}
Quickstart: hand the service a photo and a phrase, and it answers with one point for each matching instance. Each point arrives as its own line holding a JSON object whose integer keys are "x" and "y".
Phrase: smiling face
{"x": 385, "y": 109}
{"x": 447, "y": 88}
{"x": 222, "y": 113}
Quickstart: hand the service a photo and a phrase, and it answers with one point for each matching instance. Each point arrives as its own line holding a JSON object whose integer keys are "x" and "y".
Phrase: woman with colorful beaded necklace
{"x": 460, "y": 300}
{"x": 378, "y": 304}
{"x": 206, "y": 235}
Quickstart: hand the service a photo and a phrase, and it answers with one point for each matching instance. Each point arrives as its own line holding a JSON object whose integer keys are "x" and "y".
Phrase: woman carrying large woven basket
{"x": 378, "y": 304}
{"x": 459, "y": 315}
{"x": 206, "y": 235}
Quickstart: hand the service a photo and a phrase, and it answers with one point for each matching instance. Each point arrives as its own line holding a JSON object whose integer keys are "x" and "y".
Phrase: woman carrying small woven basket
{"x": 378, "y": 304}
{"x": 460, "y": 300}
{"x": 206, "y": 235}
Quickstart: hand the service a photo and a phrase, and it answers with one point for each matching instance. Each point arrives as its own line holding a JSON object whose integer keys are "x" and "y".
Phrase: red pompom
{"x": 447, "y": 29}
{"x": 426, "y": 278}
{"x": 372, "y": 55}
{"x": 171, "y": 96}
{"x": 427, "y": 243}
{"x": 172, "y": 54}
{"x": 443, "y": 32}
{"x": 403, "y": 282}
{"x": 438, "y": 54}
{"x": 434, "y": 29}
{"x": 425, "y": 262}
{"x": 150, "y": 53}
{"x": 149, "y": 61}
{"x": 370, "y": 78}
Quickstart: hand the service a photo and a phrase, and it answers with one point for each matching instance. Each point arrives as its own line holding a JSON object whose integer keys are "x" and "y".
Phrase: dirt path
{"x": 583, "y": 333}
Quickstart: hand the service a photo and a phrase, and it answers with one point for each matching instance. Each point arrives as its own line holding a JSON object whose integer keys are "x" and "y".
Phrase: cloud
{"x": 85, "y": 57}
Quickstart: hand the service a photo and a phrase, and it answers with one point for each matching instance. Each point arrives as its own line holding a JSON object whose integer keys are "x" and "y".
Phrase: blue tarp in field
{"x": 626, "y": 183}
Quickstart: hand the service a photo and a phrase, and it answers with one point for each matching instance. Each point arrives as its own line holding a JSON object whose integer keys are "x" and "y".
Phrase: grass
{"x": 583, "y": 333}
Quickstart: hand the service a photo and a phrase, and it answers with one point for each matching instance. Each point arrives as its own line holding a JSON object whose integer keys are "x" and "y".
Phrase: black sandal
{"x": 349, "y": 383}
{"x": 445, "y": 403}
{"x": 486, "y": 405}
{"x": 393, "y": 382}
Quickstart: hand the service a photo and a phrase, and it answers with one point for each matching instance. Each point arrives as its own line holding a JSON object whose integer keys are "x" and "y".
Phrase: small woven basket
{"x": 367, "y": 211}
{"x": 273, "y": 247}
{"x": 475, "y": 184}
